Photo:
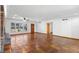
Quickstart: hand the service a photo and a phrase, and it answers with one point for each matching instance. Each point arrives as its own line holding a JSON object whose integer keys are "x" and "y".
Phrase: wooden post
{"x": 1, "y": 25}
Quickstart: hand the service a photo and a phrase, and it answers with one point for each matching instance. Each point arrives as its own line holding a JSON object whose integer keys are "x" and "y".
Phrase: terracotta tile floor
{"x": 42, "y": 43}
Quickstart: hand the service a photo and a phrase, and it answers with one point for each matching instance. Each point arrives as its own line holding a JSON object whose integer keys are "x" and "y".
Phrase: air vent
{"x": 64, "y": 19}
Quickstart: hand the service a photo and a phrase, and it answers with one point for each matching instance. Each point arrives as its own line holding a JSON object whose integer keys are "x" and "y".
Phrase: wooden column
{"x": 1, "y": 24}
{"x": 4, "y": 47}
{"x": 1, "y": 20}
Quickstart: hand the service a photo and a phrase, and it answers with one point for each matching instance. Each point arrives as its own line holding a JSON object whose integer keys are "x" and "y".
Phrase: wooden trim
{"x": 41, "y": 33}
{"x": 14, "y": 34}
{"x": 44, "y": 33}
{"x": 2, "y": 16}
{"x": 66, "y": 37}
{"x": 58, "y": 36}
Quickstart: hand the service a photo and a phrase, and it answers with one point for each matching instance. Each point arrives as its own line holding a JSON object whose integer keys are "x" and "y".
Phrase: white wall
{"x": 67, "y": 28}
{"x": 9, "y": 21}
{"x": 41, "y": 27}
{"x": 75, "y": 27}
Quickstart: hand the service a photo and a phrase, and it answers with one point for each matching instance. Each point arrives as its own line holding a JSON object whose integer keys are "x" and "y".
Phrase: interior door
{"x": 31, "y": 44}
{"x": 48, "y": 28}
{"x": 32, "y": 28}
{"x": 49, "y": 35}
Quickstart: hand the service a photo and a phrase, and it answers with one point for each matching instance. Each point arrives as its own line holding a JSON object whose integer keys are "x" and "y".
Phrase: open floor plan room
{"x": 39, "y": 28}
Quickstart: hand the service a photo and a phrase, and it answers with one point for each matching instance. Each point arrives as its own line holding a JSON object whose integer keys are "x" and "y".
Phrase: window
{"x": 18, "y": 27}
{"x": 25, "y": 27}
{"x": 12, "y": 27}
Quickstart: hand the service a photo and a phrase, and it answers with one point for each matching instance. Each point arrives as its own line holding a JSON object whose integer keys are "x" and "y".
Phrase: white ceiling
{"x": 42, "y": 12}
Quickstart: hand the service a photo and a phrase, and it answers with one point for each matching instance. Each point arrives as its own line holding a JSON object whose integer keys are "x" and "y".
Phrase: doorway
{"x": 48, "y": 28}
{"x": 32, "y": 29}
